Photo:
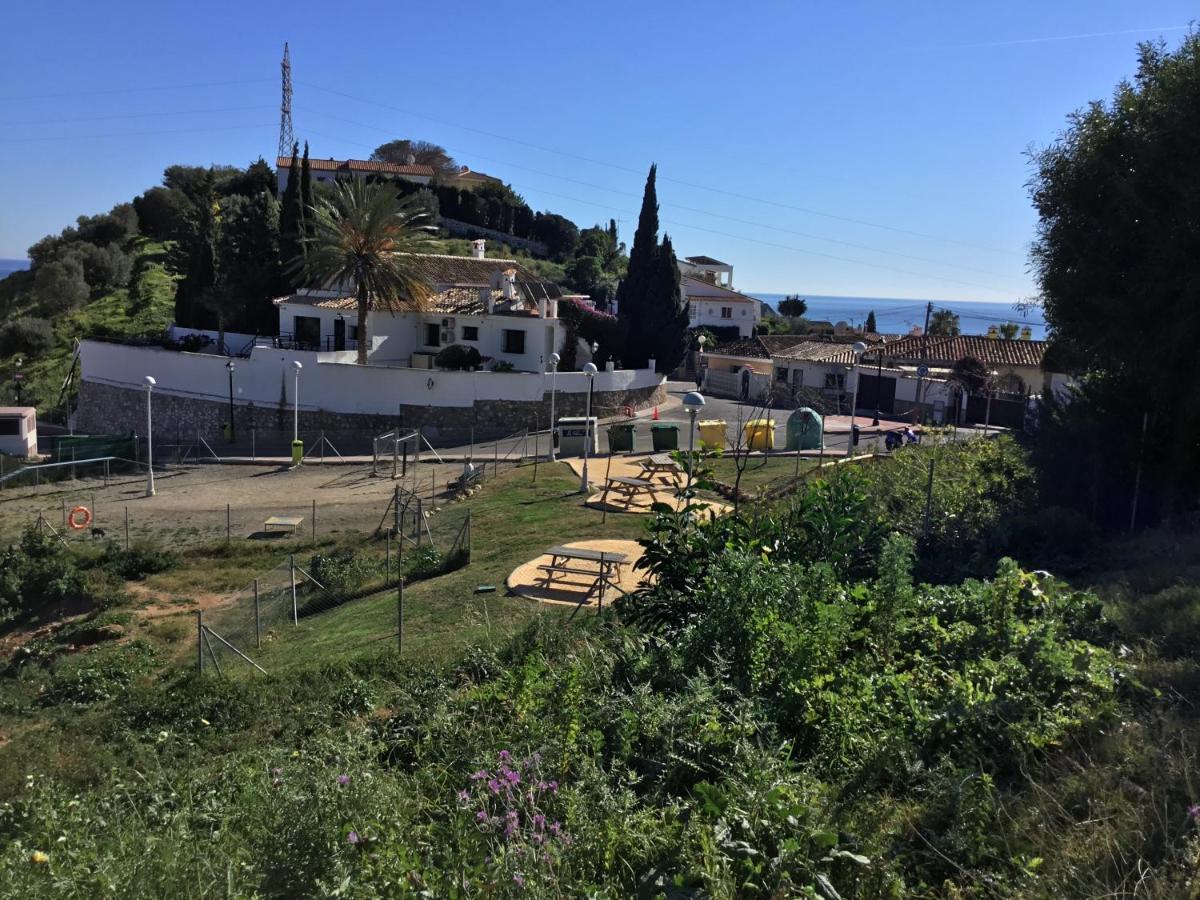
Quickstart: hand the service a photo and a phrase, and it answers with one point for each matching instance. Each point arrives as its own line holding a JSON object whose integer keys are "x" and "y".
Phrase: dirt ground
{"x": 190, "y": 503}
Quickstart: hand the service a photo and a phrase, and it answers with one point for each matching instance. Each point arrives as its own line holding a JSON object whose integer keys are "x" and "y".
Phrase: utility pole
{"x": 924, "y": 360}
{"x": 928, "y": 502}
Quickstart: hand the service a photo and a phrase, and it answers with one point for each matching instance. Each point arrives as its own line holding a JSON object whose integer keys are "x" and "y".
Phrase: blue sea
{"x": 8, "y": 266}
{"x": 898, "y": 316}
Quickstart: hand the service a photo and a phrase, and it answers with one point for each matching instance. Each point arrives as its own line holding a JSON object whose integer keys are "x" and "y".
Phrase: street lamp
{"x": 859, "y": 349}
{"x": 693, "y": 402}
{"x": 232, "y": 434}
{"x": 589, "y": 370}
{"x": 555, "y": 359}
{"x": 18, "y": 377}
{"x": 296, "y": 402}
{"x": 878, "y": 382}
{"x": 700, "y": 341}
{"x": 991, "y": 389}
{"x": 150, "y": 382}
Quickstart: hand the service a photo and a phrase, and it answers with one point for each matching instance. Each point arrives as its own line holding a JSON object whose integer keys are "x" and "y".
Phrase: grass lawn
{"x": 512, "y": 521}
{"x": 761, "y": 471}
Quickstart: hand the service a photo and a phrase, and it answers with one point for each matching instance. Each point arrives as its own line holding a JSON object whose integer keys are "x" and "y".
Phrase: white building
{"x": 18, "y": 431}
{"x": 328, "y": 170}
{"x": 493, "y": 305}
{"x": 707, "y": 288}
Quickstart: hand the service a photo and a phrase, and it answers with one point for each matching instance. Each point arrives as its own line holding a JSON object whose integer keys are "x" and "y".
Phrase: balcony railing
{"x": 326, "y": 344}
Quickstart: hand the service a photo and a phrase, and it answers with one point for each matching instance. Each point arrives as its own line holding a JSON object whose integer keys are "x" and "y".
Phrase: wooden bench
{"x": 292, "y": 522}
{"x": 662, "y": 465}
{"x": 628, "y": 488}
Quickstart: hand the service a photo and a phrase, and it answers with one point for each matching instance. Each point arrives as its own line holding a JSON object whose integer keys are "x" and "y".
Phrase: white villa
{"x": 329, "y": 170}
{"x": 493, "y": 305}
{"x": 707, "y": 287}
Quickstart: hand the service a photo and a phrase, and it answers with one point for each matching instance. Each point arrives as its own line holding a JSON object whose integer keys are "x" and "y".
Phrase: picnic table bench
{"x": 662, "y": 465}
{"x": 628, "y": 488}
{"x": 292, "y": 522}
{"x": 569, "y": 561}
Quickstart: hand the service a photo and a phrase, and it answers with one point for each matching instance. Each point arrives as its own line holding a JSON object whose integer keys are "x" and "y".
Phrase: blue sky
{"x": 868, "y": 149}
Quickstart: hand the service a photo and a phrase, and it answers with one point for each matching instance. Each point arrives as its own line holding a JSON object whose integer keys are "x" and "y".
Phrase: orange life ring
{"x": 80, "y": 518}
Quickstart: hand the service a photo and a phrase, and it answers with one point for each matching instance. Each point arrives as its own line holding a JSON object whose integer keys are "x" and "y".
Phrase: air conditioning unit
{"x": 447, "y": 335}
{"x": 448, "y": 323}
{"x": 422, "y": 361}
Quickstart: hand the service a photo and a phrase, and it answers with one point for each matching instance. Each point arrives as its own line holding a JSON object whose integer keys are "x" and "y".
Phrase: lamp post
{"x": 18, "y": 378}
{"x": 859, "y": 348}
{"x": 991, "y": 389}
{"x": 700, "y": 341}
{"x": 150, "y": 382}
{"x": 296, "y": 402}
{"x": 693, "y": 402}
{"x": 232, "y": 433}
{"x": 555, "y": 359}
{"x": 590, "y": 371}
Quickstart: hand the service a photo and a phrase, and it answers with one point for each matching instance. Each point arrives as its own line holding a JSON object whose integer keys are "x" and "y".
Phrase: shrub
{"x": 104, "y": 268}
{"x": 424, "y": 562}
{"x": 59, "y": 286}
{"x": 344, "y": 570}
{"x": 140, "y": 560}
{"x": 458, "y": 357}
{"x": 503, "y": 366}
{"x": 26, "y": 335}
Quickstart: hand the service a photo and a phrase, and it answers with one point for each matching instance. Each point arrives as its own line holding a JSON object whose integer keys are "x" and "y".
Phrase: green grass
{"x": 513, "y": 520}
{"x": 761, "y": 471}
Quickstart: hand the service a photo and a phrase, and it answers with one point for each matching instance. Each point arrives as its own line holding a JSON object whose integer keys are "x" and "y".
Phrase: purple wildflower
{"x": 519, "y": 880}
{"x": 555, "y": 827}
{"x": 505, "y": 756}
{"x": 481, "y": 775}
{"x": 343, "y": 780}
{"x": 494, "y": 786}
{"x": 481, "y": 816}
{"x": 513, "y": 777}
{"x": 463, "y": 796}
{"x": 539, "y": 821}
{"x": 553, "y": 786}
{"x": 352, "y": 837}
{"x": 1194, "y": 811}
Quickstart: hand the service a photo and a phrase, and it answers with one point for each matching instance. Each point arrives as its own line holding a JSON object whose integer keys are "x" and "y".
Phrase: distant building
{"x": 707, "y": 288}
{"x": 333, "y": 169}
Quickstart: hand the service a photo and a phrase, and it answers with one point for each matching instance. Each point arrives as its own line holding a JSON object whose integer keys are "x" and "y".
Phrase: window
{"x": 352, "y": 332}
{"x": 781, "y": 375}
{"x": 433, "y": 334}
{"x": 514, "y": 341}
{"x": 835, "y": 381}
{"x": 470, "y": 333}
{"x": 10, "y": 425}
{"x": 691, "y": 310}
{"x": 726, "y": 312}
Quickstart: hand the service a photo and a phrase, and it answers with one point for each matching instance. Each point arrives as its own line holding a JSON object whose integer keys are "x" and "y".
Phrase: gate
{"x": 876, "y": 392}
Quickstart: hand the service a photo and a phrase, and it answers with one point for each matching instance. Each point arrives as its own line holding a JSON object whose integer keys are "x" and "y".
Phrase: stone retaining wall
{"x": 108, "y": 409}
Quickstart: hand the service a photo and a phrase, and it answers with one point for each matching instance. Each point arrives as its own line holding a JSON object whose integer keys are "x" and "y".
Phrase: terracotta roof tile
{"x": 359, "y": 165}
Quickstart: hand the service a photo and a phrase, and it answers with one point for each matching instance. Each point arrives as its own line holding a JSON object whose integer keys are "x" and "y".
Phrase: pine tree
{"x": 290, "y": 216}
{"x": 631, "y": 295}
{"x": 666, "y": 323}
{"x": 870, "y": 326}
{"x": 306, "y": 195}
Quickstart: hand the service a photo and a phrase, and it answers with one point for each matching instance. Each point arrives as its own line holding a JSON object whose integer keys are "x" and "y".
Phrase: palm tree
{"x": 364, "y": 235}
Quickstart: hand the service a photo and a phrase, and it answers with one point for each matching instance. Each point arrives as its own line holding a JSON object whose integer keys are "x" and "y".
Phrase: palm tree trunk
{"x": 363, "y": 309}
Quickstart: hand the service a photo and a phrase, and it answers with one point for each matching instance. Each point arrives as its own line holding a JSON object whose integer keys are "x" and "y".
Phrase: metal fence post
{"x": 257, "y": 619}
{"x": 400, "y": 616}
{"x": 200, "y": 641}
{"x": 387, "y": 559}
{"x": 228, "y": 525}
{"x": 126, "y": 526}
{"x": 417, "y": 523}
{"x": 314, "y": 520}
{"x": 64, "y": 513}
{"x": 468, "y": 536}
{"x": 295, "y": 609}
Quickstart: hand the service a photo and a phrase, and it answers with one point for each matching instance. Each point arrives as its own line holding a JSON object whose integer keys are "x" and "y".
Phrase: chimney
{"x": 478, "y": 248}
{"x": 509, "y": 283}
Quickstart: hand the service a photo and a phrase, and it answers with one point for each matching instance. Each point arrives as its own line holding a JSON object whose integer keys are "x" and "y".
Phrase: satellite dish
{"x": 923, "y": 370}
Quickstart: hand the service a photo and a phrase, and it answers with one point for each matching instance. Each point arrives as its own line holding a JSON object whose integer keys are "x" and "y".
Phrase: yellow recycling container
{"x": 760, "y": 434}
{"x": 712, "y": 432}
{"x": 297, "y": 452}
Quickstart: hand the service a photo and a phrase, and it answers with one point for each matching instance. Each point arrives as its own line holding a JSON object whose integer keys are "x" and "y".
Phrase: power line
{"x": 133, "y": 90}
{"x": 695, "y": 185}
{"x": 121, "y": 134}
{"x": 148, "y": 115}
{"x": 714, "y": 215}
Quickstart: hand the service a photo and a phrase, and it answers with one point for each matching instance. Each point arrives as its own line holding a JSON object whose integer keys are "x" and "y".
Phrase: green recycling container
{"x": 805, "y": 429}
{"x": 620, "y": 438}
{"x": 665, "y": 437}
{"x": 297, "y": 452}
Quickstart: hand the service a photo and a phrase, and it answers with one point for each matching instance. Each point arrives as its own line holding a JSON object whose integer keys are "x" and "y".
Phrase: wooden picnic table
{"x": 628, "y": 488}
{"x": 661, "y": 464}
{"x": 568, "y": 561}
{"x": 292, "y": 522}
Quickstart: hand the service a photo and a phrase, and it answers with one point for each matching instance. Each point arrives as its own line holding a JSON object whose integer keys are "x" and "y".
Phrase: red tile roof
{"x": 359, "y": 165}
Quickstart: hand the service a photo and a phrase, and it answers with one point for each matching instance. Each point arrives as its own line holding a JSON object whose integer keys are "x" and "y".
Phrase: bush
{"x": 30, "y": 336}
{"x": 424, "y": 562}
{"x": 138, "y": 561}
{"x": 344, "y": 570}
{"x": 105, "y": 268}
{"x": 458, "y": 357}
{"x": 59, "y": 286}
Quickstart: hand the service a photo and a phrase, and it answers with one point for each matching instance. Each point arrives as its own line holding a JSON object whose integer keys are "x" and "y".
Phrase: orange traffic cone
{"x": 654, "y": 418}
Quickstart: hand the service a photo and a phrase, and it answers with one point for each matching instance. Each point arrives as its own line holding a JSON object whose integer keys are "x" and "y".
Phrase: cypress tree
{"x": 306, "y": 196}
{"x": 870, "y": 326}
{"x": 631, "y": 295}
{"x": 666, "y": 323}
{"x": 291, "y": 219}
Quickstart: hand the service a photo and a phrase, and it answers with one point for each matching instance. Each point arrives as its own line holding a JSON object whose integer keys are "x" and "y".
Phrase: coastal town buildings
{"x": 707, "y": 288}
{"x": 330, "y": 170}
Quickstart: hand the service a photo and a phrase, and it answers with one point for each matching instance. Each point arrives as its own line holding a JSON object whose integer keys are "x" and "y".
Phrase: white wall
{"x": 328, "y": 384}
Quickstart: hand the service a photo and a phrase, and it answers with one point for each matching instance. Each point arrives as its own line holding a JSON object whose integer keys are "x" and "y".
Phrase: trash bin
{"x": 712, "y": 433}
{"x": 760, "y": 434}
{"x": 620, "y": 438}
{"x": 576, "y": 432}
{"x": 297, "y": 452}
{"x": 665, "y": 437}
{"x": 805, "y": 429}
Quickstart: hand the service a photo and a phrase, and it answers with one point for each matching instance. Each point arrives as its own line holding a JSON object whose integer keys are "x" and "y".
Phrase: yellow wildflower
{"x": 39, "y": 858}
